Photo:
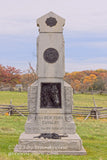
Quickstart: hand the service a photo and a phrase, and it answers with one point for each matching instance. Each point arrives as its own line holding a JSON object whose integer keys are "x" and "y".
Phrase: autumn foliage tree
{"x": 87, "y": 80}
{"x": 9, "y": 76}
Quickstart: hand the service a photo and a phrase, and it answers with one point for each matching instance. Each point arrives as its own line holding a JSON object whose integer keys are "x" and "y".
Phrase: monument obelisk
{"x": 50, "y": 128}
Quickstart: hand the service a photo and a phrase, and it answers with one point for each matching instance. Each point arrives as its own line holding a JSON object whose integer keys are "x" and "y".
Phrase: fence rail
{"x": 96, "y": 112}
{"x": 13, "y": 110}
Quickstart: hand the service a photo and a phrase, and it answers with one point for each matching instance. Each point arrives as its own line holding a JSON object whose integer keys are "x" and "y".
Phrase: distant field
{"x": 20, "y": 98}
{"x": 87, "y": 100}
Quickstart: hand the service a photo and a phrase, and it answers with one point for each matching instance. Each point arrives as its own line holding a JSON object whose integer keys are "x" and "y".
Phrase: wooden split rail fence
{"x": 14, "y": 110}
{"x": 95, "y": 112}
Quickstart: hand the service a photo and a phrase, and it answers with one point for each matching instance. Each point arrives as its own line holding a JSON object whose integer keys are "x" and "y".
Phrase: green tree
{"x": 99, "y": 84}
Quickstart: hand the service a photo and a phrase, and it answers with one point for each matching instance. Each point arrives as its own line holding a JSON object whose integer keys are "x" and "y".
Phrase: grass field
{"x": 20, "y": 98}
{"x": 87, "y": 100}
{"x": 93, "y": 133}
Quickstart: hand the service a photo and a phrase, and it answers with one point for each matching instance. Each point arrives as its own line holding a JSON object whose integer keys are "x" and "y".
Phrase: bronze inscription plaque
{"x": 50, "y": 95}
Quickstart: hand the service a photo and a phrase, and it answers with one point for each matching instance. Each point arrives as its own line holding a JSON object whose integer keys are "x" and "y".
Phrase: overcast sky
{"x": 85, "y": 32}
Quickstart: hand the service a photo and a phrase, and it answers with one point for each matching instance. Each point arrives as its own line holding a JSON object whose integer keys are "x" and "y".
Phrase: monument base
{"x": 70, "y": 145}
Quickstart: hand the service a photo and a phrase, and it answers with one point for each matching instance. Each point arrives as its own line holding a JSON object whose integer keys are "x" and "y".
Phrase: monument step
{"x": 81, "y": 152}
{"x": 69, "y": 145}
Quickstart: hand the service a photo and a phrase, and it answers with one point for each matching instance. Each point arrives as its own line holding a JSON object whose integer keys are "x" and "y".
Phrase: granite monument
{"x": 50, "y": 128}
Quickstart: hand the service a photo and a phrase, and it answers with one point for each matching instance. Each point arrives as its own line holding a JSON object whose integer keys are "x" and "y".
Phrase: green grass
{"x": 20, "y": 98}
{"x": 93, "y": 134}
{"x": 87, "y": 100}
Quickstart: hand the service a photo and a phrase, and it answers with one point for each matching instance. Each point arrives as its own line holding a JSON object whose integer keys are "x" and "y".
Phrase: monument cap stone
{"x": 50, "y": 23}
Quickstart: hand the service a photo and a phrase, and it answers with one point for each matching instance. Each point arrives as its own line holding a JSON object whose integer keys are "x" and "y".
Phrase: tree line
{"x": 88, "y": 80}
{"x": 80, "y": 81}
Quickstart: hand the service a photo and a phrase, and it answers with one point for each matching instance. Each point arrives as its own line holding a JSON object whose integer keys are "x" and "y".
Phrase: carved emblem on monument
{"x": 51, "y": 55}
{"x": 51, "y": 21}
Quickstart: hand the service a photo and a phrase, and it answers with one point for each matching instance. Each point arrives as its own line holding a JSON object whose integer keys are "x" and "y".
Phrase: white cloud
{"x": 88, "y": 64}
{"x": 84, "y": 15}
{"x": 98, "y": 44}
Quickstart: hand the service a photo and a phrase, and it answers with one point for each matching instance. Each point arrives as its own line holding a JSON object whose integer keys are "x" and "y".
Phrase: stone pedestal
{"x": 50, "y": 120}
{"x": 50, "y": 99}
{"x": 70, "y": 145}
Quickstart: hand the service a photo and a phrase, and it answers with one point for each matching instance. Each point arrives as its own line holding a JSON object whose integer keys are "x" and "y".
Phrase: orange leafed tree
{"x": 76, "y": 84}
{"x": 9, "y": 75}
{"x": 89, "y": 81}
